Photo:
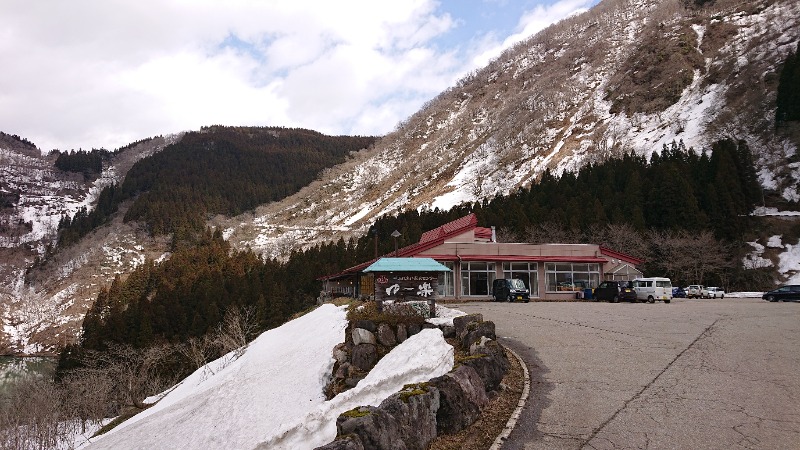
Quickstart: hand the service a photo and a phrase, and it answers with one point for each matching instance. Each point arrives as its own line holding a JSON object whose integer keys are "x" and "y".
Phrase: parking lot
{"x": 713, "y": 373}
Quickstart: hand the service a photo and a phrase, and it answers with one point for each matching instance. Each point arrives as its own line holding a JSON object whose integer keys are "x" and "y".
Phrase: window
{"x": 447, "y": 281}
{"x": 476, "y": 278}
{"x": 527, "y": 272}
{"x": 571, "y": 277}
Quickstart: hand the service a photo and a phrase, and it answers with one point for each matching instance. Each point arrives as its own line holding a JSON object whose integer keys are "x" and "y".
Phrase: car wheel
{"x": 650, "y": 299}
{"x": 509, "y": 299}
{"x": 722, "y": 296}
{"x": 771, "y": 298}
{"x": 615, "y": 299}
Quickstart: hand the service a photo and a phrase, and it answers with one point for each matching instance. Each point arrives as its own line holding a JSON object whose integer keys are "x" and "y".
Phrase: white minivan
{"x": 652, "y": 289}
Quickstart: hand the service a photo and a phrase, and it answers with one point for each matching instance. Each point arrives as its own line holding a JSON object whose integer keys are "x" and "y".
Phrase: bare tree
{"x": 236, "y": 330}
{"x": 31, "y": 416}
{"x": 134, "y": 373}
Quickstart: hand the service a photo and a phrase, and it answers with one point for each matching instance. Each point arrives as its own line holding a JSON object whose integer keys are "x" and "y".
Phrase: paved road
{"x": 693, "y": 374}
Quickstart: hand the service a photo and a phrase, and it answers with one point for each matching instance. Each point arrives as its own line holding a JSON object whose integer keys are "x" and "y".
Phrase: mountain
{"x": 44, "y": 294}
{"x": 626, "y": 76}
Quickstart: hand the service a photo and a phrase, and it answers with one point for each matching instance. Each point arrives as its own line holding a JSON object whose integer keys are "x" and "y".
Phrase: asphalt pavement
{"x": 692, "y": 374}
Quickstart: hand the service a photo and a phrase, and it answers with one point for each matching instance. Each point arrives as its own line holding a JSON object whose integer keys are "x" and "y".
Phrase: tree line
{"x": 219, "y": 170}
{"x": 89, "y": 163}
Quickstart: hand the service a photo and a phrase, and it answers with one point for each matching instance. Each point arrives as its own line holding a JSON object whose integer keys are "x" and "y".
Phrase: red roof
{"x": 621, "y": 256}
{"x": 429, "y": 239}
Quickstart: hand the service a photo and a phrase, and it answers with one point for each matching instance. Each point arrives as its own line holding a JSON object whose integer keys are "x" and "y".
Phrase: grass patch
{"x": 117, "y": 420}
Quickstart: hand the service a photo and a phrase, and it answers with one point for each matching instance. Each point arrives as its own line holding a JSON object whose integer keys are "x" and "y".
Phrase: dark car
{"x": 509, "y": 290}
{"x": 784, "y": 293}
{"x": 614, "y": 291}
{"x": 678, "y": 292}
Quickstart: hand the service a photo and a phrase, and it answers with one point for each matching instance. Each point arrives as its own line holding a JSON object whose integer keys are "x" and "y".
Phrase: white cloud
{"x": 89, "y": 74}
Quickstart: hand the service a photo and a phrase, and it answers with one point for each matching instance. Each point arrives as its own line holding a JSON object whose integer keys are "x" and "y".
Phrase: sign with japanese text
{"x": 406, "y": 286}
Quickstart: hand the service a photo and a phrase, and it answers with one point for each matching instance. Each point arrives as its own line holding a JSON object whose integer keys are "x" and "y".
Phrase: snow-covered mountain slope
{"x": 629, "y": 75}
{"x": 47, "y": 311}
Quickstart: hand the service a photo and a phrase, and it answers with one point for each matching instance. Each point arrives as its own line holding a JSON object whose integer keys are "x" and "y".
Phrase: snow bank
{"x": 271, "y": 397}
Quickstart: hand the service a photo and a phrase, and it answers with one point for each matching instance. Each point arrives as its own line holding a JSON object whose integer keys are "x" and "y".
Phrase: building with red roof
{"x": 550, "y": 271}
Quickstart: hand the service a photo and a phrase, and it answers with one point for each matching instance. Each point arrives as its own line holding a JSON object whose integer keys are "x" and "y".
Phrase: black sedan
{"x": 784, "y": 293}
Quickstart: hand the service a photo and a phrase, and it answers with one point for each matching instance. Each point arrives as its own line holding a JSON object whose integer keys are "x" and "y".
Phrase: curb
{"x": 512, "y": 421}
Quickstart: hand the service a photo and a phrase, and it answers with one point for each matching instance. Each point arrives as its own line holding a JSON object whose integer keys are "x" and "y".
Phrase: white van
{"x": 652, "y": 289}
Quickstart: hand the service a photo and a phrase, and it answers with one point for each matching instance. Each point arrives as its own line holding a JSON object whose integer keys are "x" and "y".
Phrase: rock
{"x": 402, "y": 333}
{"x": 462, "y": 396}
{"x": 386, "y": 335}
{"x": 460, "y": 323}
{"x": 448, "y": 331}
{"x": 344, "y": 371}
{"x": 475, "y": 331}
{"x": 374, "y": 427}
{"x": 362, "y": 336}
{"x": 349, "y": 442}
{"x": 364, "y": 356}
{"x": 490, "y": 367}
{"x": 340, "y": 353}
{"x": 406, "y": 420}
{"x": 353, "y": 381}
{"x": 365, "y": 324}
{"x": 413, "y": 328}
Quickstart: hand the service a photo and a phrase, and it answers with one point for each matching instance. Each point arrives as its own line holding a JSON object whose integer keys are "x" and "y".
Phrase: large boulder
{"x": 460, "y": 323}
{"x": 364, "y": 356}
{"x": 363, "y": 336}
{"x": 489, "y": 361}
{"x": 404, "y": 421}
{"x": 462, "y": 396}
{"x": 475, "y": 331}
{"x": 386, "y": 336}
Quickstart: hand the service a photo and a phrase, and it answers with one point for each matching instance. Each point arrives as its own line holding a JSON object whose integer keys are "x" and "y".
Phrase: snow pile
{"x": 271, "y": 397}
{"x": 788, "y": 259}
{"x": 754, "y": 260}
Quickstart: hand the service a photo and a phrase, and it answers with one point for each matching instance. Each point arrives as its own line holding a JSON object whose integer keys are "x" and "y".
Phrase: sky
{"x": 272, "y": 395}
{"x": 102, "y": 74}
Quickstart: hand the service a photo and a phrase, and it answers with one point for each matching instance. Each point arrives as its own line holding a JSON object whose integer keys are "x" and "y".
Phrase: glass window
{"x": 527, "y": 272}
{"x": 571, "y": 277}
{"x": 447, "y": 286}
{"x": 477, "y": 278}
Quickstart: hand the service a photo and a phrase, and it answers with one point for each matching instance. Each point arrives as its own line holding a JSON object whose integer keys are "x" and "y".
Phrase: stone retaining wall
{"x": 412, "y": 418}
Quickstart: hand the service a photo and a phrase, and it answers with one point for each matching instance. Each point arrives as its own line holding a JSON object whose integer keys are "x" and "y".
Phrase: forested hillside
{"x": 219, "y": 170}
{"x": 683, "y": 213}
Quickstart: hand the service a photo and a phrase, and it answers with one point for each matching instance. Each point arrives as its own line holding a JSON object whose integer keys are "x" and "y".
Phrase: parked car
{"x": 652, "y": 289}
{"x": 697, "y": 291}
{"x": 714, "y": 292}
{"x": 784, "y": 293}
{"x": 678, "y": 292}
{"x": 509, "y": 290}
{"x": 614, "y": 291}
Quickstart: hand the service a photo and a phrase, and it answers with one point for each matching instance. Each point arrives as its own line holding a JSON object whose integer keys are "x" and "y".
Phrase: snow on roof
{"x": 272, "y": 396}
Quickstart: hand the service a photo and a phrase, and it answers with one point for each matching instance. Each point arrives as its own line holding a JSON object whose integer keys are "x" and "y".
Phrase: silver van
{"x": 652, "y": 289}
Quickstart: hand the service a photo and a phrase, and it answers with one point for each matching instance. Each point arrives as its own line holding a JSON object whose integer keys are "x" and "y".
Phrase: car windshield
{"x": 516, "y": 283}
